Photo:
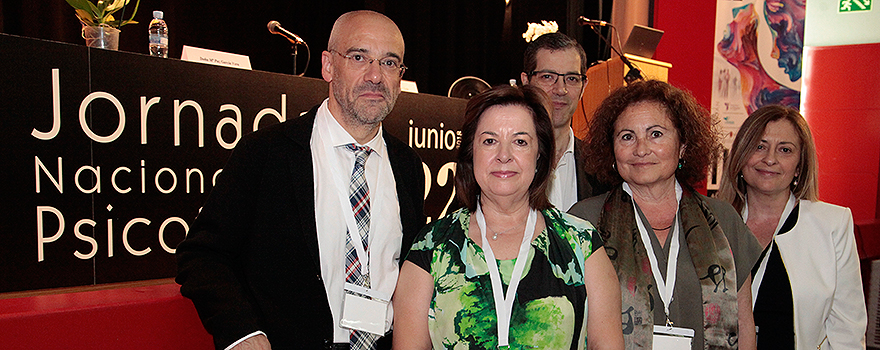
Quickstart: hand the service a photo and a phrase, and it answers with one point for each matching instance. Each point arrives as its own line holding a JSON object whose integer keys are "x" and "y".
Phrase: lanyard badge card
{"x": 672, "y": 338}
{"x": 364, "y": 309}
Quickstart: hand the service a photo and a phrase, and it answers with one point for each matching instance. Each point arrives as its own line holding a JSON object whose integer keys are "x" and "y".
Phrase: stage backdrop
{"x": 108, "y": 156}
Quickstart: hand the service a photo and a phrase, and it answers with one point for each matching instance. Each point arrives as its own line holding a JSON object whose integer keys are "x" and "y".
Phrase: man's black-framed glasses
{"x": 388, "y": 64}
{"x": 548, "y": 78}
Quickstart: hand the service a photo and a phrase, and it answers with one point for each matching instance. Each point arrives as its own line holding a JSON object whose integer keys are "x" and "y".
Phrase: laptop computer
{"x": 642, "y": 41}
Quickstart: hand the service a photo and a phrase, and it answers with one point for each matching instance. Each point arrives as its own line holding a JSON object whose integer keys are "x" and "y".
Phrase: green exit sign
{"x": 854, "y": 5}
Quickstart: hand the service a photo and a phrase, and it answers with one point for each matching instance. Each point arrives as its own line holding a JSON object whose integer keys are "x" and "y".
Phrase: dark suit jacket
{"x": 251, "y": 260}
{"x": 587, "y": 184}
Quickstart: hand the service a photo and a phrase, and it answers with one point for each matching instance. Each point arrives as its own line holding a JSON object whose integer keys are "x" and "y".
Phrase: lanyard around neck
{"x": 342, "y": 179}
{"x": 664, "y": 287}
{"x": 504, "y": 305}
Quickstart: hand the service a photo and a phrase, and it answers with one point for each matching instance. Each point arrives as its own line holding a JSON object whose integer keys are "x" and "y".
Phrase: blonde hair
{"x": 806, "y": 185}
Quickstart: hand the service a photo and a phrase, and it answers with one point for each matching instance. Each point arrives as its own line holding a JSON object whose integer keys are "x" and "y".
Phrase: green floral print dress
{"x": 551, "y": 303}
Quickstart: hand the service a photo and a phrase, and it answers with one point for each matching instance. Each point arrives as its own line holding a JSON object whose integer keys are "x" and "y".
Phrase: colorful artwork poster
{"x": 758, "y": 60}
{"x": 758, "y": 57}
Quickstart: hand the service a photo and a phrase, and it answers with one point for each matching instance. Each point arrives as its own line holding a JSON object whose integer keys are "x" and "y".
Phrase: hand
{"x": 257, "y": 342}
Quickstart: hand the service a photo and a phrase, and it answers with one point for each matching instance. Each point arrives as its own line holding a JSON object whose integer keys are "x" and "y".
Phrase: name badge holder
{"x": 672, "y": 338}
{"x": 666, "y": 337}
{"x": 364, "y": 309}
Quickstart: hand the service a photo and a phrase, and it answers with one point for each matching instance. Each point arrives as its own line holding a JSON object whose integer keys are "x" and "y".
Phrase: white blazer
{"x": 822, "y": 263}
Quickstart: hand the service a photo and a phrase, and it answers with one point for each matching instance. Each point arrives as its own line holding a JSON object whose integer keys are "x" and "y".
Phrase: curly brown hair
{"x": 696, "y": 129}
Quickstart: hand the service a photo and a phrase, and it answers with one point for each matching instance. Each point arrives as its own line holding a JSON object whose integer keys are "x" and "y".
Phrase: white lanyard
{"x": 762, "y": 265}
{"x": 667, "y": 287}
{"x": 504, "y": 306}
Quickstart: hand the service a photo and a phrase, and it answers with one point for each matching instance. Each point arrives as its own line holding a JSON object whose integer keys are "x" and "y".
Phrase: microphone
{"x": 275, "y": 28}
{"x": 583, "y": 21}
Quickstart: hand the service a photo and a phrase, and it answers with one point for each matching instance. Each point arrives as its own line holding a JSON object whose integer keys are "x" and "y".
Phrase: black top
{"x": 774, "y": 308}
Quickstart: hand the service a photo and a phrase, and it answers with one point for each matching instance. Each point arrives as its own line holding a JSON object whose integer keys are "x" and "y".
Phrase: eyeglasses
{"x": 361, "y": 61}
{"x": 548, "y": 78}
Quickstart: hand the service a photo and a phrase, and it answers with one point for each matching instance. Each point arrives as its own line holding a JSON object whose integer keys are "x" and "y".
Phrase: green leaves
{"x": 102, "y": 13}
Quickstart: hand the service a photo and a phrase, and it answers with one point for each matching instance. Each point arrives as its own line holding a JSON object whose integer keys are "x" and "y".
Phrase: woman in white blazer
{"x": 807, "y": 287}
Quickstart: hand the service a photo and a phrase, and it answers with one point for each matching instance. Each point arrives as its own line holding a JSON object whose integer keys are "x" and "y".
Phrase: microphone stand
{"x": 634, "y": 73}
{"x": 293, "y": 52}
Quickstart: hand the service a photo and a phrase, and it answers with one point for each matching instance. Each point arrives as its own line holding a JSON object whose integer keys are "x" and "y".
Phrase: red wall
{"x": 841, "y": 102}
{"x": 688, "y": 43}
{"x": 840, "y": 97}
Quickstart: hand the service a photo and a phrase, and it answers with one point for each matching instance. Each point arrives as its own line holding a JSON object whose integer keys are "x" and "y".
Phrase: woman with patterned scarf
{"x": 682, "y": 259}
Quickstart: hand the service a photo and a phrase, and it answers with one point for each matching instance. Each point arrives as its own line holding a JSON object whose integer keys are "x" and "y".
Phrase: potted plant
{"x": 100, "y": 28}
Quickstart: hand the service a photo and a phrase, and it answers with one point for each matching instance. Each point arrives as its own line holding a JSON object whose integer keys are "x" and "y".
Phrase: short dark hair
{"x": 696, "y": 129}
{"x": 553, "y": 42}
{"x": 536, "y": 102}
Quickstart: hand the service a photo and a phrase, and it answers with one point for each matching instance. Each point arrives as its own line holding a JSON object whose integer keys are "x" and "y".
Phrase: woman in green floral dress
{"x": 550, "y": 284}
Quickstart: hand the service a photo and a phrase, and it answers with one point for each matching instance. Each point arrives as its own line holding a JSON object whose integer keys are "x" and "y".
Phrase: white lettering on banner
{"x": 41, "y": 238}
{"x": 433, "y": 138}
{"x": 169, "y": 174}
{"x": 145, "y": 106}
{"x": 198, "y": 172}
{"x": 127, "y": 189}
{"x": 129, "y": 229}
{"x": 55, "y": 180}
{"x": 102, "y": 177}
{"x": 125, "y": 237}
{"x": 97, "y": 184}
{"x": 201, "y": 119}
{"x": 85, "y": 126}
{"x": 235, "y": 122}
{"x": 173, "y": 181}
{"x": 145, "y": 110}
{"x": 79, "y": 235}
{"x": 281, "y": 117}
{"x": 162, "y": 227}
{"x": 56, "y": 109}
{"x": 443, "y": 178}
{"x": 427, "y": 172}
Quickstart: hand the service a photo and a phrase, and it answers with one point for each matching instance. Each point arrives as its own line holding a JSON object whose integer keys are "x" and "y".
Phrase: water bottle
{"x": 158, "y": 35}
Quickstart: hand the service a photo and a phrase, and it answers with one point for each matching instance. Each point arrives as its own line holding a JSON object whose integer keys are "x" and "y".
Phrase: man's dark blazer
{"x": 251, "y": 260}
{"x": 587, "y": 184}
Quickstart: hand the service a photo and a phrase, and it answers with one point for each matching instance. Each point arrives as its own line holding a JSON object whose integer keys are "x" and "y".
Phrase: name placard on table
{"x": 217, "y": 58}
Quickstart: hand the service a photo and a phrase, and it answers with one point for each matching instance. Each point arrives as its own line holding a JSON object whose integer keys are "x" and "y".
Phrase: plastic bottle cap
{"x": 158, "y": 14}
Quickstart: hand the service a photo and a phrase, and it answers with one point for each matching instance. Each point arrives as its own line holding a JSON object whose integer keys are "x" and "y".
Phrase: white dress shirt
{"x": 563, "y": 184}
{"x": 332, "y": 163}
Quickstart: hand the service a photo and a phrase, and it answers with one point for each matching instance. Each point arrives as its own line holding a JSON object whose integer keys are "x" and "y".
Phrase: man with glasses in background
{"x": 299, "y": 242}
{"x": 556, "y": 63}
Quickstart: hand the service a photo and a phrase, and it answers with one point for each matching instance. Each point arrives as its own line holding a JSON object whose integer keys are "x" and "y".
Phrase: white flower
{"x": 535, "y": 30}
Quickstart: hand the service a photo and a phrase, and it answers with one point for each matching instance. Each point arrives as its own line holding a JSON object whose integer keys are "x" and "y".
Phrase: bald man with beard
{"x": 270, "y": 260}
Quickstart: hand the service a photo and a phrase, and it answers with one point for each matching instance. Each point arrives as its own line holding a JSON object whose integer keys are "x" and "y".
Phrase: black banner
{"x": 108, "y": 156}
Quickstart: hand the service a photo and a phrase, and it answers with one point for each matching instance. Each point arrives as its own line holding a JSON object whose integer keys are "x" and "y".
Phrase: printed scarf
{"x": 710, "y": 253}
